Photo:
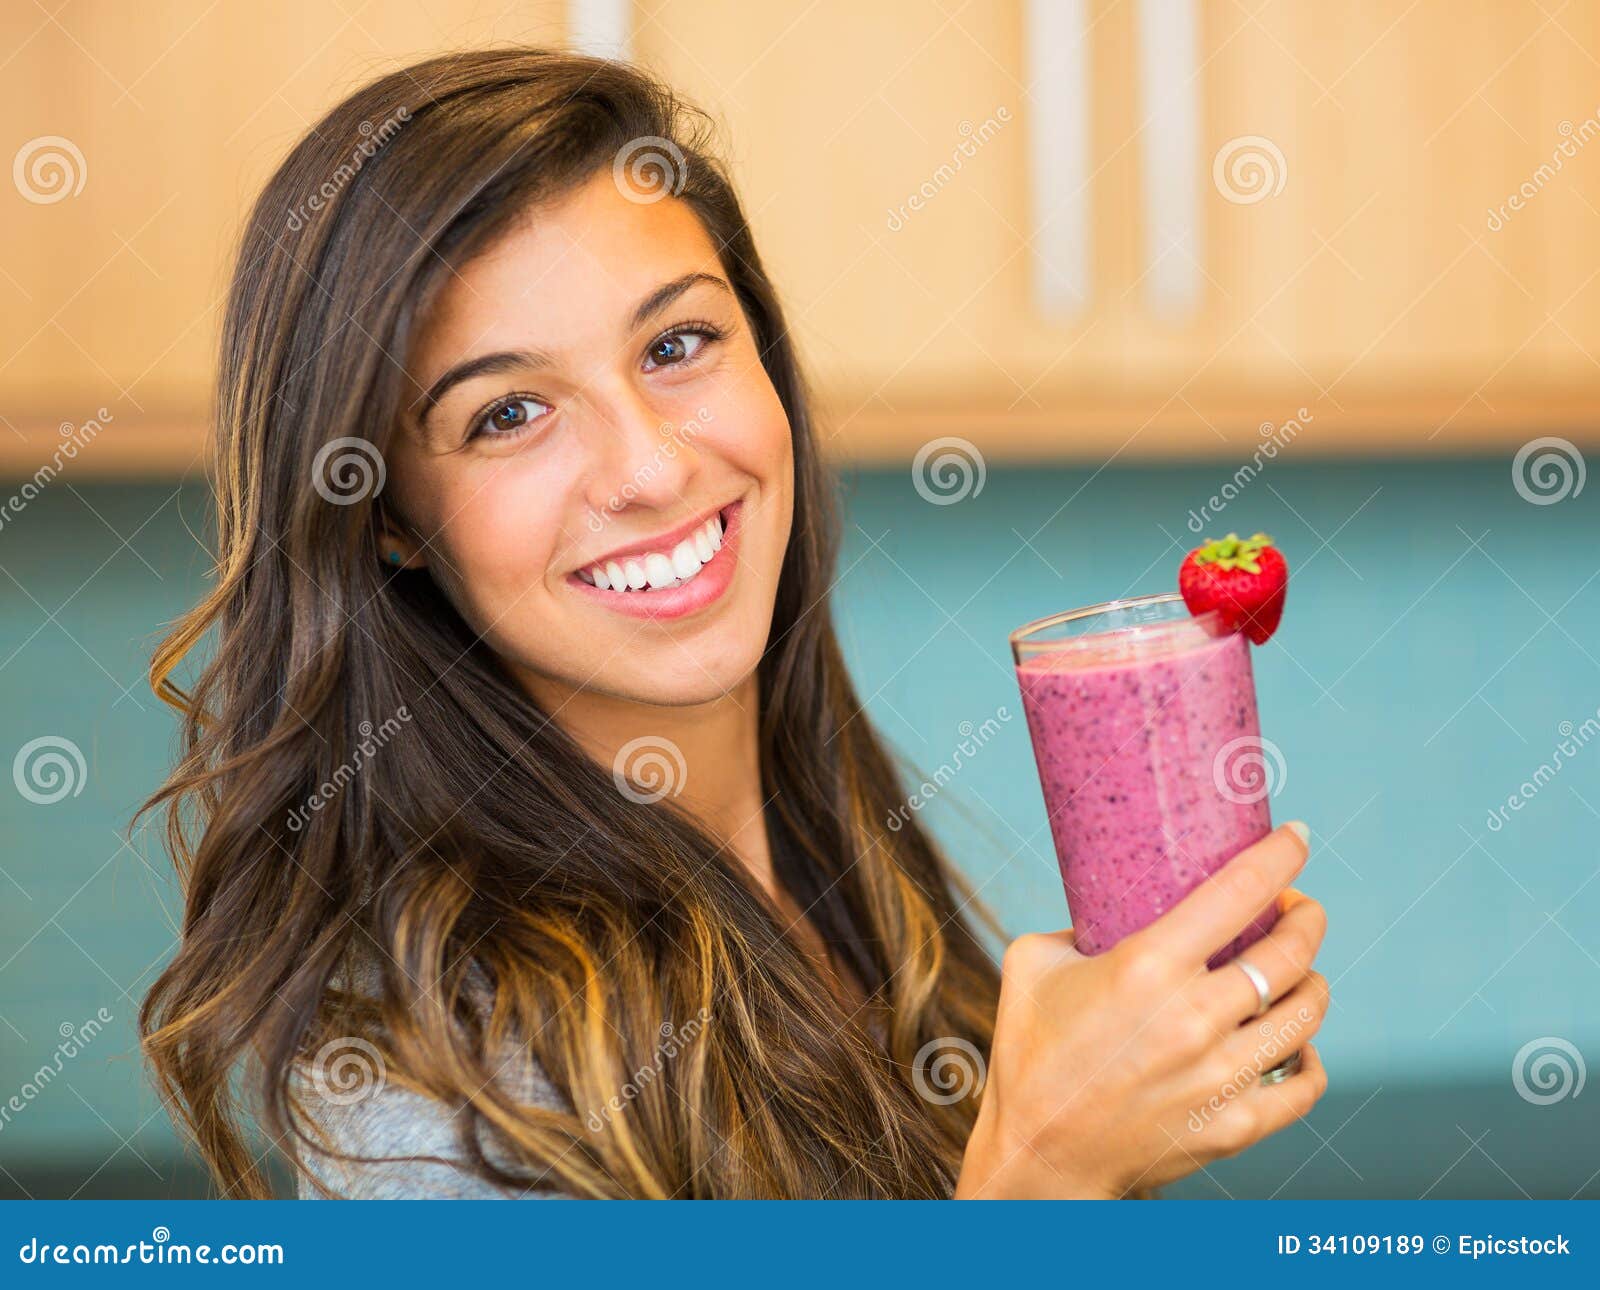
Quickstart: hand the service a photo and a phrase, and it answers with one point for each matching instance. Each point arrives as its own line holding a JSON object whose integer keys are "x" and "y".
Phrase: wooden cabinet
{"x": 1426, "y": 278}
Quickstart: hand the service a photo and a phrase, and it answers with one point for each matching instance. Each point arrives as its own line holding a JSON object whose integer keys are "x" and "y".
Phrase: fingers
{"x": 1035, "y": 955}
{"x": 1283, "y": 1029}
{"x": 1261, "y": 1110}
{"x": 1284, "y": 956}
{"x": 1278, "y": 1105}
{"x": 1236, "y": 1055}
{"x": 1227, "y": 902}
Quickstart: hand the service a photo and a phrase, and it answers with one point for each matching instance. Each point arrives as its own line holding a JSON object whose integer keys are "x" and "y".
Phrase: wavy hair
{"x": 593, "y": 924}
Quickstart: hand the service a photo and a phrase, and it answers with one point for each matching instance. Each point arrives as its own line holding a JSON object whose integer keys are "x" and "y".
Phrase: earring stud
{"x": 394, "y": 557}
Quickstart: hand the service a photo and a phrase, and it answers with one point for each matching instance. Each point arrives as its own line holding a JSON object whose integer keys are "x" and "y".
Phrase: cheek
{"x": 756, "y": 437}
{"x": 496, "y": 545}
{"x": 749, "y": 428}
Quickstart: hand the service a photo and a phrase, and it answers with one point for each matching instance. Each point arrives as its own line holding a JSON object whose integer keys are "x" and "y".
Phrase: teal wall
{"x": 1439, "y": 630}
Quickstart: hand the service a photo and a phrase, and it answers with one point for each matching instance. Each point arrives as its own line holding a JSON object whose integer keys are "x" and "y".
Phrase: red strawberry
{"x": 1245, "y": 580}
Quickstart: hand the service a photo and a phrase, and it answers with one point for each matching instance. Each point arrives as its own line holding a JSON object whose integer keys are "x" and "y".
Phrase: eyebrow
{"x": 665, "y": 294}
{"x": 508, "y": 360}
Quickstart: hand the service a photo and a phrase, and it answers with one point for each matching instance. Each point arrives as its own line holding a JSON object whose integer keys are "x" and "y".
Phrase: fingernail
{"x": 1298, "y": 828}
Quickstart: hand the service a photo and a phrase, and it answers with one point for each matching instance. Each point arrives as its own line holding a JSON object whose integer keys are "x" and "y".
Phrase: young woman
{"x": 531, "y": 829}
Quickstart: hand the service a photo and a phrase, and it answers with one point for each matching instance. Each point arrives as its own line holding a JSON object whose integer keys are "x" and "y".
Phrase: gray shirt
{"x": 400, "y": 1125}
{"x": 346, "y": 1094}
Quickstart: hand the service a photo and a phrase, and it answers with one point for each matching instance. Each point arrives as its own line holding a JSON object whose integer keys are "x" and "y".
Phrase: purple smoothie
{"x": 1128, "y": 729}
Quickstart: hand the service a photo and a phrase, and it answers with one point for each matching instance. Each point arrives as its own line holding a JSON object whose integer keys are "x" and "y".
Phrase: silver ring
{"x": 1263, "y": 989}
{"x": 1289, "y": 1066}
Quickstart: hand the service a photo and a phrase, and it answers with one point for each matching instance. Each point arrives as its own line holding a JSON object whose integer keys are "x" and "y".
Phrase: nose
{"x": 641, "y": 457}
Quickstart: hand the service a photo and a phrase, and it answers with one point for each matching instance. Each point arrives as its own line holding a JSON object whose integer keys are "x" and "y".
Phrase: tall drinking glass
{"x": 1143, "y": 720}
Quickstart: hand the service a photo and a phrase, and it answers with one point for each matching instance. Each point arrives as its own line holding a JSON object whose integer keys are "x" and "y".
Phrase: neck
{"x": 705, "y": 755}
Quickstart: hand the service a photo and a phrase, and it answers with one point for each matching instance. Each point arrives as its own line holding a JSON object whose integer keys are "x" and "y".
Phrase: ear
{"x": 398, "y": 550}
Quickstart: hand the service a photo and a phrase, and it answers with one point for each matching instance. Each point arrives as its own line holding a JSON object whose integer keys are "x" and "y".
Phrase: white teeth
{"x": 685, "y": 560}
{"x": 658, "y": 569}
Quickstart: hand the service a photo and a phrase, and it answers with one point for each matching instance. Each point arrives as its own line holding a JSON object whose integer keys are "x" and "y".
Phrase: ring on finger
{"x": 1288, "y": 1067}
{"x": 1262, "y": 987}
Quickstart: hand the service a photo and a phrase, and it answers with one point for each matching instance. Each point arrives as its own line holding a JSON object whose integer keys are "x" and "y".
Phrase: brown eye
{"x": 506, "y": 419}
{"x": 674, "y": 348}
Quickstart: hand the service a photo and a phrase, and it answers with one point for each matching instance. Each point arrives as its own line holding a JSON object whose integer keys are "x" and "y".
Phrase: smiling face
{"x": 600, "y": 474}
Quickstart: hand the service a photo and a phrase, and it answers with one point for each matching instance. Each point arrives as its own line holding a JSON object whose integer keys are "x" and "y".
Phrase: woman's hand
{"x": 1116, "y": 1073}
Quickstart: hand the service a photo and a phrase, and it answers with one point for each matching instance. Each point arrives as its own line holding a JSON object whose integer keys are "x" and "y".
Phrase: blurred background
{"x": 1077, "y": 282}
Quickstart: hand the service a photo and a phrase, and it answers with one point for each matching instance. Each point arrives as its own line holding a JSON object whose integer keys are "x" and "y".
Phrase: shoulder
{"x": 387, "y": 1142}
{"x": 410, "y": 1146}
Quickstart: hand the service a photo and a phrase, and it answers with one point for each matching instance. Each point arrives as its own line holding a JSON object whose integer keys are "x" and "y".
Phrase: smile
{"x": 659, "y": 569}
{"x": 670, "y": 581}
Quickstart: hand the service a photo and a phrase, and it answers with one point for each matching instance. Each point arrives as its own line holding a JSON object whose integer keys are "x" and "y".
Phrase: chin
{"x": 675, "y": 675}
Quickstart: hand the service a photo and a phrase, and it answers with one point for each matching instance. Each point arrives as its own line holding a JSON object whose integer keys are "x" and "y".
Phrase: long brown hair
{"x": 597, "y": 923}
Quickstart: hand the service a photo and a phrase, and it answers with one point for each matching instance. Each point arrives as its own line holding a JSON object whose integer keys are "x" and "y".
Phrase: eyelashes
{"x": 708, "y": 332}
{"x": 490, "y": 423}
{"x": 511, "y": 416}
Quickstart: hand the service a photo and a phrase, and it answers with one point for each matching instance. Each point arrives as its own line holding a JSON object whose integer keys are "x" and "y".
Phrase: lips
{"x": 671, "y": 576}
